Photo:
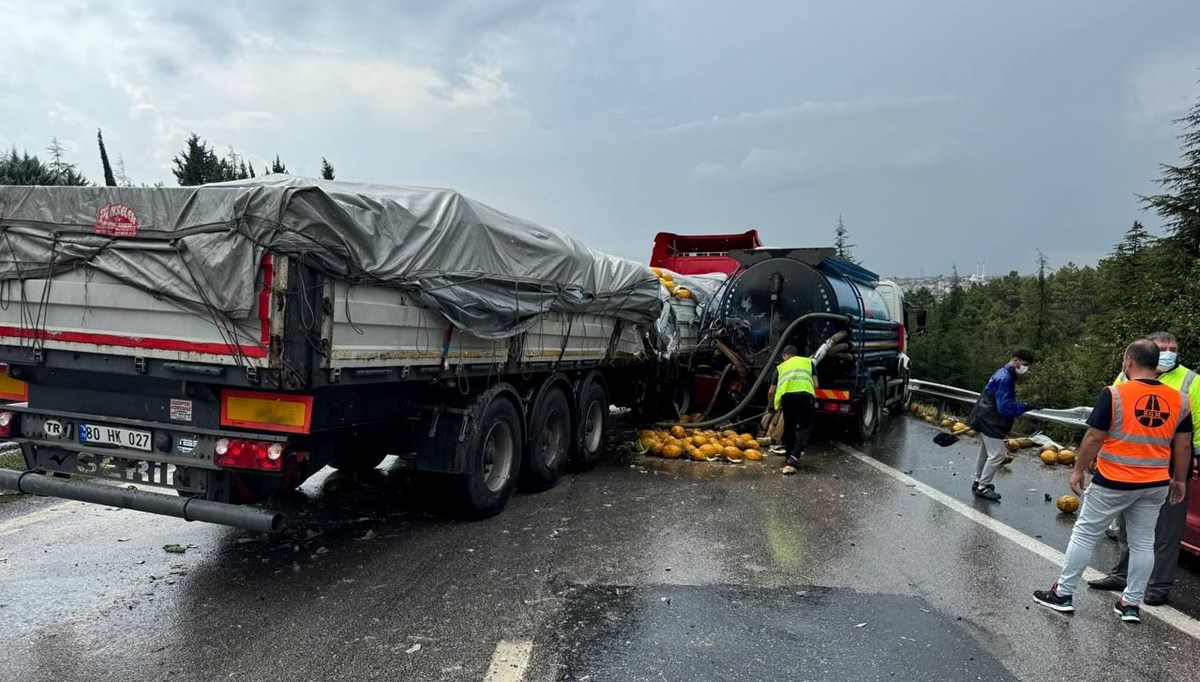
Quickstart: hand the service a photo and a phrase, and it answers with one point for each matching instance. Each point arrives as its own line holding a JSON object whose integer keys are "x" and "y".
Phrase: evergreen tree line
{"x": 1078, "y": 320}
{"x": 196, "y": 164}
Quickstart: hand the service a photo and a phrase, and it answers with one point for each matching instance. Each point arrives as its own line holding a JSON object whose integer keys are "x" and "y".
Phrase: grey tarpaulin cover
{"x": 488, "y": 272}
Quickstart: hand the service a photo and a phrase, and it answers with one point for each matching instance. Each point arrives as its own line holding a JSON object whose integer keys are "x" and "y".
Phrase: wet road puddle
{"x": 724, "y": 632}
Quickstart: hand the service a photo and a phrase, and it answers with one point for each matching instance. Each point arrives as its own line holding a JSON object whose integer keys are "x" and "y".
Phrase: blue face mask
{"x": 1167, "y": 360}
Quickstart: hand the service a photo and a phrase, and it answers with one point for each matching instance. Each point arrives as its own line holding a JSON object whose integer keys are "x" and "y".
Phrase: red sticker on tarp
{"x": 116, "y": 220}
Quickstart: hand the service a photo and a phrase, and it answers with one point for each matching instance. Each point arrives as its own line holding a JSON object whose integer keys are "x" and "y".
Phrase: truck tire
{"x": 901, "y": 405}
{"x": 492, "y": 449}
{"x": 593, "y": 422}
{"x": 869, "y": 413}
{"x": 550, "y": 440}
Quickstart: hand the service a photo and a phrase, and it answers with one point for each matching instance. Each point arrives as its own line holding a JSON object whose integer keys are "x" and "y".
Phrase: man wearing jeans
{"x": 1140, "y": 436}
{"x": 1168, "y": 533}
{"x": 993, "y": 417}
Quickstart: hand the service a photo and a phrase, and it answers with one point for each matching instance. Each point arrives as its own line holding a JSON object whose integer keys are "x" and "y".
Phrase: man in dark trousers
{"x": 794, "y": 391}
{"x": 993, "y": 416}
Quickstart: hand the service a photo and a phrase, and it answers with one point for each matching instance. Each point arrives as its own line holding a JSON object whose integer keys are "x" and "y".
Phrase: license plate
{"x": 93, "y": 434}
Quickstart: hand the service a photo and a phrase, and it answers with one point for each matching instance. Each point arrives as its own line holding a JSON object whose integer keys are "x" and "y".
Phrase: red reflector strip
{"x": 828, "y": 394}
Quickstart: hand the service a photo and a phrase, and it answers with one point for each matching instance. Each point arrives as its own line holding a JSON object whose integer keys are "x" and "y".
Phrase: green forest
{"x": 1078, "y": 319}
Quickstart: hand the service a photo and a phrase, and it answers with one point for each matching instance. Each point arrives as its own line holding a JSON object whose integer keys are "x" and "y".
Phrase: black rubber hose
{"x": 717, "y": 393}
{"x": 767, "y": 368}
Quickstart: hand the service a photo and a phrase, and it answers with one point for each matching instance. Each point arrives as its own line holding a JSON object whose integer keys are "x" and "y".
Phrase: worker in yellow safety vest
{"x": 795, "y": 392}
{"x": 1168, "y": 532}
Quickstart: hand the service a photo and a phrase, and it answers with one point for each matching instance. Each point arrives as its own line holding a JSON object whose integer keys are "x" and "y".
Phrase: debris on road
{"x": 174, "y": 549}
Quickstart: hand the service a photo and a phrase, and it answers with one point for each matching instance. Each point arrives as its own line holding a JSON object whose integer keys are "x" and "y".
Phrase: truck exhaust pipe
{"x": 189, "y": 509}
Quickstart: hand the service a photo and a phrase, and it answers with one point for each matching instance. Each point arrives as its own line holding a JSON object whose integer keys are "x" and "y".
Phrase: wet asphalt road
{"x": 641, "y": 570}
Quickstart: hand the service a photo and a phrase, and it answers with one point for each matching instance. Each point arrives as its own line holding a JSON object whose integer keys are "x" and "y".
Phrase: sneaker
{"x": 788, "y": 470}
{"x": 1107, "y": 584}
{"x": 987, "y": 492}
{"x": 1128, "y": 614}
{"x": 778, "y": 450}
{"x": 1051, "y": 599}
{"x": 974, "y": 486}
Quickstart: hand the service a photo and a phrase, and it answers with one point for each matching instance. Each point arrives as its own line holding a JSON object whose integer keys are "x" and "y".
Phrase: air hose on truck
{"x": 769, "y": 366}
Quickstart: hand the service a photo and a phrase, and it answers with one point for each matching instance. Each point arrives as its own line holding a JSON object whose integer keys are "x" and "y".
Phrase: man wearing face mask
{"x": 993, "y": 417}
{"x": 1168, "y": 533}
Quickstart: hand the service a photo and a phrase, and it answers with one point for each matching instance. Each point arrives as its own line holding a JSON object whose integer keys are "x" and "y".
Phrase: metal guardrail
{"x": 1075, "y": 417}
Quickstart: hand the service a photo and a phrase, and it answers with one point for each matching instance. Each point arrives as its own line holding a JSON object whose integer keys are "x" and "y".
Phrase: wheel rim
{"x": 869, "y": 412}
{"x": 498, "y": 451}
{"x": 593, "y": 426}
{"x": 554, "y": 438}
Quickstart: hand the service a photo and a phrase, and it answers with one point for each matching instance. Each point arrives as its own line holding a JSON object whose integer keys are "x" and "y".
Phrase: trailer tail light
{"x": 903, "y": 340}
{"x": 248, "y": 454}
{"x": 7, "y": 420}
{"x": 843, "y": 408}
{"x": 266, "y": 411}
{"x": 12, "y": 389}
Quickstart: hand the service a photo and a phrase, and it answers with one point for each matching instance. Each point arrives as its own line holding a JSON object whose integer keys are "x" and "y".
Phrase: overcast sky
{"x": 945, "y": 132}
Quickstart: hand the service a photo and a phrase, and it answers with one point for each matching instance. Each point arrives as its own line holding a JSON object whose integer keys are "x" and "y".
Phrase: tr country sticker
{"x": 116, "y": 220}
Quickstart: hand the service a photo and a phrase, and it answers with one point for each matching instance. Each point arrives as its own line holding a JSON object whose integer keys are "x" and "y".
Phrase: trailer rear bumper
{"x": 189, "y": 509}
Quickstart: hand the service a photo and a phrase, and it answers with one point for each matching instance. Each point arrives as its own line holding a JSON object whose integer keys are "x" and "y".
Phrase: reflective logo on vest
{"x": 1150, "y": 411}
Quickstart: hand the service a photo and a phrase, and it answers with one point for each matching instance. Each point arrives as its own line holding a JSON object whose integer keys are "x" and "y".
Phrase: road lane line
{"x": 22, "y": 522}
{"x": 1176, "y": 619}
{"x": 509, "y": 661}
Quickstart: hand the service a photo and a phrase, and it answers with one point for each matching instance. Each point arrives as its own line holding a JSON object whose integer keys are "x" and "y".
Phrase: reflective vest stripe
{"x": 1160, "y": 462}
{"x": 1186, "y": 387}
{"x": 795, "y": 376}
{"x": 1118, "y": 413}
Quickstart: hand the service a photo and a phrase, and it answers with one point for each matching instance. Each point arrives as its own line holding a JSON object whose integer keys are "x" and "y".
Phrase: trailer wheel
{"x": 549, "y": 440}
{"x": 869, "y": 413}
{"x": 593, "y": 421}
{"x": 901, "y": 406}
{"x": 493, "y": 450}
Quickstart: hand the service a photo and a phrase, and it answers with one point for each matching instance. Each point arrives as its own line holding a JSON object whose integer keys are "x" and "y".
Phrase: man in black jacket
{"x": 993, "y": 417}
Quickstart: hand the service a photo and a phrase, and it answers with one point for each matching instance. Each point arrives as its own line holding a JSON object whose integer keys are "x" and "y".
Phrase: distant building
{"x": 940, "y": 285}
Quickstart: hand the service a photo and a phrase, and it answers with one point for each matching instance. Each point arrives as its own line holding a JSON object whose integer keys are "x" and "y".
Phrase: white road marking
{"x": 1176, "y": 619}
{"x": 22, "y": 522}
{"x": 509, "y": 662}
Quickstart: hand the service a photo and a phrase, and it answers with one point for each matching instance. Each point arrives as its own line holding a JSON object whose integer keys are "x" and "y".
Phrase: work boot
{"x": 1107, "y": 584}
{"x": 987, "y": 492}
{"x": 974, "y": 487}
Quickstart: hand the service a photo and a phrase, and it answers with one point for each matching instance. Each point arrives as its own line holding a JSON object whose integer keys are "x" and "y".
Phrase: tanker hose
{"x": 767, "y": 368}
{"x": 717, "y": 393}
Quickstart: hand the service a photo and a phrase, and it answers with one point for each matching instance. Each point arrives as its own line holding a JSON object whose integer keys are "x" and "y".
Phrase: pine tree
{"x": 841, "y": 241}
{"x": 250, "y": 167}
{"x": 326, "y": 169}
{"x": 122, "y": 177}
{"x": 110, "y": 180}
{"x": 64, "y": 173}
{"x": 278, "y": 166}
{"x": 197, "y": 164}
{"x": 1179, "y": 203}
